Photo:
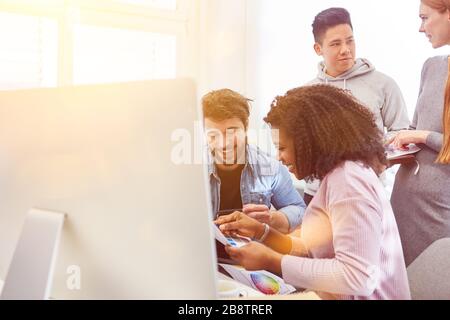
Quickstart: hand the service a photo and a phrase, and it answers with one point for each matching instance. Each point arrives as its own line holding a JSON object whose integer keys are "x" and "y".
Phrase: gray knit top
{"x": 421, "y": 202}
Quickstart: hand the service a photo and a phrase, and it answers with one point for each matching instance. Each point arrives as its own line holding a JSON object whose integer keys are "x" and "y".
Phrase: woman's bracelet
{"x": 265, "y": 234}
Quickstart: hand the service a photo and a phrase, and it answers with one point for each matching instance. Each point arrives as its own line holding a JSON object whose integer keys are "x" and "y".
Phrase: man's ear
{"x": 318, "y": 49}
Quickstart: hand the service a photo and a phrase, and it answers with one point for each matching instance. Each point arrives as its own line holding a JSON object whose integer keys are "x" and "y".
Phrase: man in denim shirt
{"x": 242, "y": 177}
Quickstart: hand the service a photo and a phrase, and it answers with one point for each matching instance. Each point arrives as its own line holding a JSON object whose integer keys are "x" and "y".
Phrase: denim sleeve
{"x": 286, "y": 198}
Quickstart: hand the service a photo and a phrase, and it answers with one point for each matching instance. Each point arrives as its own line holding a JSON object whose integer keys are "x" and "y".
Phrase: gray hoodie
{"x": 375, "y": 90}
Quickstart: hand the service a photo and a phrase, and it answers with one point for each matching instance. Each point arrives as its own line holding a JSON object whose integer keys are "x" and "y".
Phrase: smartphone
{"x": 226, "y": 212}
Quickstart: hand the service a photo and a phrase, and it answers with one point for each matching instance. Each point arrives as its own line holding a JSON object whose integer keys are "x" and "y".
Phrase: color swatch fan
{"x": 265, "y": 284}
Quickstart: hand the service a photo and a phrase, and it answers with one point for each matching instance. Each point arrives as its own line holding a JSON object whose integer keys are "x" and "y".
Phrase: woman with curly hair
{"x": 349, "y": 247}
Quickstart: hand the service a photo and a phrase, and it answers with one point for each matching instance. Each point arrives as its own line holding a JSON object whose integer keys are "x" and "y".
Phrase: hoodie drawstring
{"x": 345, "y": 84}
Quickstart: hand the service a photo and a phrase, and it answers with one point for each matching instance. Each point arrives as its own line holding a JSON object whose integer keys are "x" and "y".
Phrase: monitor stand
{"x": 31, "y": 270}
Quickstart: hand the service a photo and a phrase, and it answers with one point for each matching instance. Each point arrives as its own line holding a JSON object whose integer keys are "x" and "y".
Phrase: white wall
{"x": 262, "y": 48}
{"x": 223, "y": 31}
{"x": 280, "y": 44}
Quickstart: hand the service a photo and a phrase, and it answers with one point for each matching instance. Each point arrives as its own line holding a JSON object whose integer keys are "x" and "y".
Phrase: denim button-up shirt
{"x": 264, "y": 181}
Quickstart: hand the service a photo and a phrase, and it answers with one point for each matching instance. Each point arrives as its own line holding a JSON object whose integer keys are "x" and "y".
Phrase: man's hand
{"x": 260, "y": 213}
{"x": 276, "y": 219}
{"x": 256, "y": 256}
{"x": 239, "y": 223}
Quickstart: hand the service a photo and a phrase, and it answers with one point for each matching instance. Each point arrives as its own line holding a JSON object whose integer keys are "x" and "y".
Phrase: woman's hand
{"x": 238, "y": 223}
{"x": 256, "y": 256}
{"x": 406, "y": 137}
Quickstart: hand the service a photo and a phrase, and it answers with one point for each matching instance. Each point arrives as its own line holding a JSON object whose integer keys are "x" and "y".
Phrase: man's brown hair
{"x": 226, "y": 104}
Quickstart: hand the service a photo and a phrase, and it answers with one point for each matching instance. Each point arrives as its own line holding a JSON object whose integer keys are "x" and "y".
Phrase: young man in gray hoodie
{"x": 334, "y": 41}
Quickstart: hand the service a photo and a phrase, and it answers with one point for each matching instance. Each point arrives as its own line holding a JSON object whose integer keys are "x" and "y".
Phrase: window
{"x": 28, "y": 51}
{"x": 49, "y": 43}
{"x": 160, "y": 4}
{"x": 110, "y": 55}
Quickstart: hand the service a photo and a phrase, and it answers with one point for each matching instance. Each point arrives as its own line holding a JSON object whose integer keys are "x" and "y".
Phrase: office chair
{"x": 428, "y": 274}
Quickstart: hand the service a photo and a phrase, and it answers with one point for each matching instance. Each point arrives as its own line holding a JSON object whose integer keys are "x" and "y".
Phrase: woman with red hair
{"x": 421, "y": 195}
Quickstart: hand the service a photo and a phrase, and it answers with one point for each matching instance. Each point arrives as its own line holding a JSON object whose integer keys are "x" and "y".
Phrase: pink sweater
{"x": 350, "y": 246}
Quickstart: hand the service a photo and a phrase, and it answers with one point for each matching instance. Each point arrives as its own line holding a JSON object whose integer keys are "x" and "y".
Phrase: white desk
{"x": 256, "y": 295}
{"x": 250, "y": 291}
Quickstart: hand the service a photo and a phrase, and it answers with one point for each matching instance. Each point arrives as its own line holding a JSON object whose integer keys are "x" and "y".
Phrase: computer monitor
{"x": 138, "y": 224}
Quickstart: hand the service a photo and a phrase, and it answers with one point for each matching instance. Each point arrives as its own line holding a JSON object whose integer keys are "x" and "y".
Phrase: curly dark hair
{"x": 329, "y": 126}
